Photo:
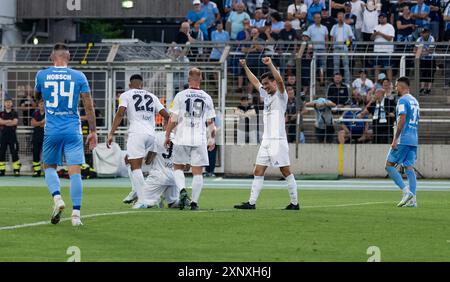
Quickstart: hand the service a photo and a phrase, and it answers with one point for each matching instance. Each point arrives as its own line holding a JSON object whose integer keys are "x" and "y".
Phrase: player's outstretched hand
{"x": 243, "y": 62}
{"x": 92, "y": 140}
{"x": 267, "y": 61}
{"x": 109, "y": 140}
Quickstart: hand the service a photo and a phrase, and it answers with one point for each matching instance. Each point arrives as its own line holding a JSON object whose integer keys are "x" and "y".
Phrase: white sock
{"x": 56, "y": 198}
{"x": 130, "y": 174}
{"x": 406, "y": 190}
{"x": 292, "y": 188}
{"x": 180, "y": 180}
{"x": 257, "y": 186}
{"x": 138, "y": 181}
{"x": 76, "y": 213}
{"x": 197, "y": 186}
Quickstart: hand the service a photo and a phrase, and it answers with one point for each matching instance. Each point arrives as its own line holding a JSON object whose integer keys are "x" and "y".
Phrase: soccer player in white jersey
{"x": 160, "y": 181}
{"x": 192, "y": 111}
{"x": 274, "y": 149}
{"x": 141, "y": 107}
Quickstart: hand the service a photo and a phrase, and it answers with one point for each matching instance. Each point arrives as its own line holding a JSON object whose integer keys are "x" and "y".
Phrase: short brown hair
{"x": 268, "y": 75}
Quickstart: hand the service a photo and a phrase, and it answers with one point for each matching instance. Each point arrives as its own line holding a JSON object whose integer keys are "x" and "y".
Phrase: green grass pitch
{"x": 332, "y": 226}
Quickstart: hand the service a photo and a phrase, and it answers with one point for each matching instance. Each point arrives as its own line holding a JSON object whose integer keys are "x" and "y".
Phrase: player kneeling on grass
{"x": 403, "y": 149}
{"x": 192, "y": 114}
{"x": 141, "y": 107}
{"x": 160, "y": 182}
{"x": 274, "y": 149}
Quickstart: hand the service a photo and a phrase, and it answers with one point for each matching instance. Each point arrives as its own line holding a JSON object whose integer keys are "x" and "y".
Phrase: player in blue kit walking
{"x": 404, "y": 146}
{"x": 60, "y": 88}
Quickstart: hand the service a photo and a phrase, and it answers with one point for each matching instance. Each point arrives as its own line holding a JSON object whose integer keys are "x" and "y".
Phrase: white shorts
{"x": 193, "y": 155}
{"x": 153, "y": 191}
{"x": 274, "y": 153}
{"x": 138, "y": 145}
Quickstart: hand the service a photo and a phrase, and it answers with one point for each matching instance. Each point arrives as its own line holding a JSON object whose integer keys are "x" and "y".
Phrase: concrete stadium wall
{"x": 358, "y": 160}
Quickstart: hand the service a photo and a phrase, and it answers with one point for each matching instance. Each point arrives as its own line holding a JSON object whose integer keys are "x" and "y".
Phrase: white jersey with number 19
{"x": 192, "y": 108}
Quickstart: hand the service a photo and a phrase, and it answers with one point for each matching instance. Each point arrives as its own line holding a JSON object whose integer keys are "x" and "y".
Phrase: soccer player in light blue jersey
{"x": 60, "y": 87}
{"x": 404, "y": 146}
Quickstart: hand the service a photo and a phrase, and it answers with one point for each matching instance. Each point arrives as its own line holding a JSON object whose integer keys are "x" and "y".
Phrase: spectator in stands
{"x": 341, "y": 36}
{"x": 247, "y": 127}
{"x": 319, "y": 33}
{"x": 267, "y": 10}
{"x": 38, "y": 123}
{"x": 212, "y": 14}
{"x": 228, "y": 7}
{"x": 337, "y": 6}
{"x": 26, "y": 103}
{"x": 406, "y": 25}
{"x": 381, "y": 77}
{"x": 383, "y": 117}
{"x": 291, "y": 115}
{"x": 315, "y": 7}
{"x": 435, "y": 17}
{"x": 258, "y": 20}
{"x": 245, "y": 34}
{"x": 327, "y": 21}
{"x": 184, "y": 35}
{"x": 349, "y": 17}
{"x": 355, "y": 99}
{"x": 388, "y": 92}
{"x": 364, "y": 85}
{"x": 446, "y": 17}
{"x": 370, "y": 21}
{"x": 288, "y": 33}
{"x": 383, "y": 33}
{"x": 324, "y": 125}
{"x": 218, "y": 35}
{"x": 236, "y": 19}
{"x": 337, "y": 91}
{"x": 427, "y": 62}
{"x": 277, "y": 22}
{"x": 357, "y": 131}
{"x": 420, "y": 13}
{"x": 212, "y": 155}
{"x": 198, "y": 16}
{"x": 397, "y": 10}
{"x": 296, "y": 13}
{"x": 308, "y": 3}
{"x": 357, "y": 10}
{"x": 291, "y": 81}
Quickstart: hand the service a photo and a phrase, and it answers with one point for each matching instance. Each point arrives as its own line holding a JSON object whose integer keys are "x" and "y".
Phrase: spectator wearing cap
{"x": 427, "y": 62}
{"x": 406, "y": 25}
{"x": 212, "y": 14}
{"x": 327, "y": 21}
{"x": 258, "y": 20}
{"x": 315, "y": 7}
{"x": 382, "y": 111}
{"x": 379, "y": 79}
{"x": 267, "y": 10}
{"x": 341, "y": 36}
{"x": 297, "y": 14}
{"x": 349, "y": 17}
{"x": 383, "y": 33}
{"x": 235, "y": 20}
{"x": 357, "y": 10}
{"x": 198, "y": 16}
{"x": 318, "y": 34}
{"x": 324, "y": 125}
{"x": 337, "y": 91}
{"x": 434, "y": 16}
{"x": 364, "y": 85}
{"x": 420, "y": 13}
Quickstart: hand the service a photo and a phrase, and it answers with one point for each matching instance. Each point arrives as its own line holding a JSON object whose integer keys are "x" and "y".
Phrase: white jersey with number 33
{"x": 274, "y": 114}
{"x": 193, "y": 108}
{"x": 142, "y": 106}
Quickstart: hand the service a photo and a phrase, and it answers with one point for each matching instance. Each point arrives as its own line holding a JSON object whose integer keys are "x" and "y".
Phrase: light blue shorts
{"x": 57, "y": 146}
{"x": 404, "y": 155}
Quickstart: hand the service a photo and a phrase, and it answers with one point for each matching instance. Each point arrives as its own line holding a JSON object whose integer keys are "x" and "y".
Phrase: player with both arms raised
{"x": 274, "y": 149}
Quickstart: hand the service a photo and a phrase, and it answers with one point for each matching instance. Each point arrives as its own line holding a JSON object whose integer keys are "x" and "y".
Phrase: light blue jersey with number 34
{"x": 61, "y": 88}
{"x": 408, "y": 105}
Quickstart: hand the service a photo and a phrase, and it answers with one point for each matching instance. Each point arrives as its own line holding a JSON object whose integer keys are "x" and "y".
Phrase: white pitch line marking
{"x": 39, "y": 223}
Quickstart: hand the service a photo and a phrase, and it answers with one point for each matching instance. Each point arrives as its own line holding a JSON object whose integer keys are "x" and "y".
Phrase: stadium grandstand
{"x": 326, "y": 51}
